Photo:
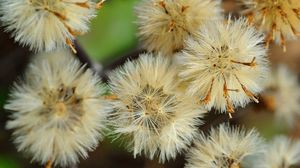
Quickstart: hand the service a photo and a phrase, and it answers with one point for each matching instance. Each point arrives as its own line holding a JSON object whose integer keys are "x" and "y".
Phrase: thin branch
{"x": 132, "y": 55}
{"x": 213, "y": 120}
{"x": 82, "y": 55}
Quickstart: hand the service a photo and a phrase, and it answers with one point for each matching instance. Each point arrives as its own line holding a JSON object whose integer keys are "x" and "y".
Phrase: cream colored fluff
{"x": 225, "y": 147}
{"x": 282, "y": 90}
{"x": 165, "y": 24}
{"x": 45, "y": 25}
{"x": 282, "y": 152}
{"x": 279, "y": 19}
{"x": 151, "y": 117}
{"x": 57, "y": 113}
{"x": 224, "y": 64}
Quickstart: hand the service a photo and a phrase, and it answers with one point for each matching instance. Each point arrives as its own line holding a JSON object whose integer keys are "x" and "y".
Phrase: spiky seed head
{"x": 279, "y": 19}
{"x": 282, "y": 95}
{"x": 226, "y": 147}
{"x": 57, "y": 112}
{"x": 149, "y": 113}
{"x": 45, "y": 25}
{"x": 224, "y": 64}
{"x": 282, "y": 152}
{"x": 164, "y": 24}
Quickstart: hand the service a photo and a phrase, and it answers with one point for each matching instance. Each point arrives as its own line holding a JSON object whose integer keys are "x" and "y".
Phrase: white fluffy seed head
{"x": 282, "y": 95}
{"x": 282, "y": 152}
{"x": 156, "y": 120}
{"x": 225, "y": 64}
{"x": 164, "y": 24}
{"x": 225, "y": 147}
{"x": 45, "y": 25}
{"x": 279, "y": 19}
{"x": 57, "y": 111}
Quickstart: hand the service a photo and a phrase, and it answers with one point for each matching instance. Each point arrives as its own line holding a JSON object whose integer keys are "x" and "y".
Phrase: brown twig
{"x": 49, "y": 164}
{"x": 213, "y": 119}
{"x": 82, "y": 55}
{"x": 132, "y": 55}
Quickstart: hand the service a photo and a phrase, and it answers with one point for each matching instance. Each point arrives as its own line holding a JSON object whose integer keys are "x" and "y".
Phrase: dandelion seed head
{"x": 155, "y": 119}
{"x": 57, "y": 113}
{"x": 226, "y": 147}
{"x": 282, "y": 152}
{"x": 282, "y": 93}
{"x": 279, "y": 19}
{"x": 164, "y": 24}
{"x": 224, "y": 64}
{"x": 44, "y": 25}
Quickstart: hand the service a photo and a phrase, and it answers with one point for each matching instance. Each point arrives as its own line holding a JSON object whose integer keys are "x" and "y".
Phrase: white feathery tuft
{"x": 224, "y": 65}
{"x": 282, "y": 152}
{"x": 225, "y": 147}
{"x": 57, "y": 112}
{"x": 282, "y": 95}
{"x": 165, "y": 24}
{"x": 279, "y": 19}
{"x": 155, "y": 119}
{"x": 45, "y": 25}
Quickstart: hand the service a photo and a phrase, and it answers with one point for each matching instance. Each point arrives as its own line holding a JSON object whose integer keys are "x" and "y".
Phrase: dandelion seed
{"x": 279, "y": 19}
{"x": 282, "y": 152}
{"x": 224, "y": 65}
{"x": 45, "y": 25}
{"x": 225, "y": 147}
{"x": 282, "y": 95}
{"x": 164, "y": 24}
{"x": 57, "y": 112}
{"x": 156, "y": 120}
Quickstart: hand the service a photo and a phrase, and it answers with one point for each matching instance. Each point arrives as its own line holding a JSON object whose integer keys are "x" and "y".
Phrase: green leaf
{"x": 8, "y": 162}
{"x": 112, "y": 32}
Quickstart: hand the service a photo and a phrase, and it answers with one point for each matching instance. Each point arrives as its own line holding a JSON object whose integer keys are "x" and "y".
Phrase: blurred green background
{"x": 112, "y": 33}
